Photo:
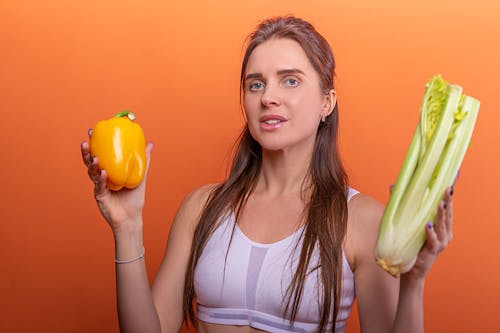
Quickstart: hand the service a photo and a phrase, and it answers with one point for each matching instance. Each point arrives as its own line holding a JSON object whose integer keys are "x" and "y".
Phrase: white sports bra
{"x": 252, "y": 290}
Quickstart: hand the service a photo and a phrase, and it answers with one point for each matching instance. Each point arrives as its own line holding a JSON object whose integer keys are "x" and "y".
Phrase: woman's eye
{"x": 256, "y": 86}
{"x": 291, "y": 82}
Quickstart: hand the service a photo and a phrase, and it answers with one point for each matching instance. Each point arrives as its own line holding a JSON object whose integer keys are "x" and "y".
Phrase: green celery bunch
{"x": 447, "y": 119}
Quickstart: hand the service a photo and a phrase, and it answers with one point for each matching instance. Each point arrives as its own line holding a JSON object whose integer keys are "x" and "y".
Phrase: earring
{"x": 323, "y": 118}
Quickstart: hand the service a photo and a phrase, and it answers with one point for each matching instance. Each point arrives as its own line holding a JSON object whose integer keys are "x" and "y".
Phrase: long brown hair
{"x": 326, "y": 207}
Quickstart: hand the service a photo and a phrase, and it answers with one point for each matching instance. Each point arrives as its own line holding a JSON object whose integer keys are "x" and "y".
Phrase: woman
{"x": 283, "y": 244}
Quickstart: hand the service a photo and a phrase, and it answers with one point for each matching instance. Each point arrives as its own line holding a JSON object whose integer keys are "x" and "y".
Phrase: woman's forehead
{"x": 277, "y": 55}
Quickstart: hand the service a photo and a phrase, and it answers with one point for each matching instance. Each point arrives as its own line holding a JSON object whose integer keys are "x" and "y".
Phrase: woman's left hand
{"x": 438, "y": 236}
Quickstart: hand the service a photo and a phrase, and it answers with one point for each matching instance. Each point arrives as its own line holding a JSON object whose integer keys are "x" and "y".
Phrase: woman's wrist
{"x": 128, "y": 229}
{"x": 128, "y": 240}
{"x": 412, "y": 281}
{"x": 131, "y": 260}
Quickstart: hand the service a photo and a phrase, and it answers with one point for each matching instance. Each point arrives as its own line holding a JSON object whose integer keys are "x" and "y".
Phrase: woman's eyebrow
{"x": 280, "y": 72}
{"x": 253, "y": 76}
{"x": 290, "y": 71}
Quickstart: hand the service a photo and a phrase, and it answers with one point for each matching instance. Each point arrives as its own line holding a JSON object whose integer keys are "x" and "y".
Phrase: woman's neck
{"x": 283, "y": 172}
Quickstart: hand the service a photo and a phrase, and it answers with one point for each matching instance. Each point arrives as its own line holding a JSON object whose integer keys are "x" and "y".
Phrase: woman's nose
{"x": 270, "y": 97}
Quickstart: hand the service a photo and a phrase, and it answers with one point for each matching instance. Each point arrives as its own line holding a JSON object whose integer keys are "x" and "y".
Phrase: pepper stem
{"x": 129, "y": 114}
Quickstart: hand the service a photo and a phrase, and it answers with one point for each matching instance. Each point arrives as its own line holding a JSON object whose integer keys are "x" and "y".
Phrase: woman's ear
{"x": 329, "y": 103}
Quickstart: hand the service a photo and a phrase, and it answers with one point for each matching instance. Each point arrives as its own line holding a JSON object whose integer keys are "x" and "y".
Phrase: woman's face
{"x": 283, "y": 99}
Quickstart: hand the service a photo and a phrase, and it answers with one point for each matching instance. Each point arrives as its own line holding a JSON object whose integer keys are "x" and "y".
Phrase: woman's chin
{"x": 272, "y": 145}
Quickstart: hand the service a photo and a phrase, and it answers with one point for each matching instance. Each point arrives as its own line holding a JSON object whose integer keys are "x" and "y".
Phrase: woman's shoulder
{"x": 199, "y": 195}
{"x": 364, "y": 215}
{"x": 192, "y": 206}
{"x": 364, "y": 208}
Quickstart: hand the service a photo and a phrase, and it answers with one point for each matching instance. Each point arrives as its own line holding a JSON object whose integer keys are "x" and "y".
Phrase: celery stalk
{"x": 436, "y": 152}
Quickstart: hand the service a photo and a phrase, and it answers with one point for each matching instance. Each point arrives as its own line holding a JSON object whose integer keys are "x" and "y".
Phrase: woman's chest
{"x": 269, "y": 221}
{"x": 252, "y": 276}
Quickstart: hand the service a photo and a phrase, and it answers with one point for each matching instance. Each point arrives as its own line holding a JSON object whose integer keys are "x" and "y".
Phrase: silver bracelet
{"x": 140, "y": 256}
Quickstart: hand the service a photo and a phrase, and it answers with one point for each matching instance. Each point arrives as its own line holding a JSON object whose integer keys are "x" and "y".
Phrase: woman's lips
{"x": 271, "y": 122}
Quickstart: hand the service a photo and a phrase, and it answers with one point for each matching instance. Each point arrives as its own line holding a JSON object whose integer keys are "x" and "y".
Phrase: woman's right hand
{"x": 122, "y": 209}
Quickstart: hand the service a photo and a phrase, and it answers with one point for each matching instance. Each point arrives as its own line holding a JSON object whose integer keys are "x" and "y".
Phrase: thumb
{"x": 149, "y": 151}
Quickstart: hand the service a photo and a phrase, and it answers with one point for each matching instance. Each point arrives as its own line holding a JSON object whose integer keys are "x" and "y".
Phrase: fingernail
{"x": 89, "y": 131}
{"x": 451, "y": 190}
{"x": 444, "y": 205}
{"x": 429, "y": 225}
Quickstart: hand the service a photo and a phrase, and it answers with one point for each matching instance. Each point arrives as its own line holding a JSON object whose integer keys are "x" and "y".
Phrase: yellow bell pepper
{"x": 120, "y": 148}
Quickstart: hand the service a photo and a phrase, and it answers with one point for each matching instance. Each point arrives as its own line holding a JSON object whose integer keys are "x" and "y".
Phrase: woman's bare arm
{"x": 168, "y": 286}
{"x": 385, "y": 303}
{"x": 142, "y": 308}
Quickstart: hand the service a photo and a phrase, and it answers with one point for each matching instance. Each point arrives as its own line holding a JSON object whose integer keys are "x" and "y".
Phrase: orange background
{"x": 64, "y": 65}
